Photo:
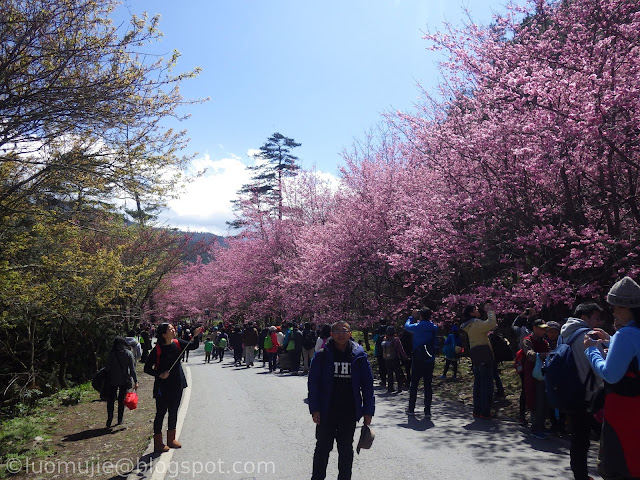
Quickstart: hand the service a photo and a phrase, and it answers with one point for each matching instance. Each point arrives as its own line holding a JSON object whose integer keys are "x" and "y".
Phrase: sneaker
{"x": 427, "y": 415}
{"x": 500, "y": 395}
{"x": 411, "y": 413}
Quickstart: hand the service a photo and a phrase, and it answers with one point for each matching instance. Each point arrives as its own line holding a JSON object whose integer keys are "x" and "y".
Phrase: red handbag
{"x": 131, "y": 400}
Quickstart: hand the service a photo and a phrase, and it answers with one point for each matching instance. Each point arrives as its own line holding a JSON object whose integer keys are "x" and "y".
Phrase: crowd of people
{"x": 341, "y": 380}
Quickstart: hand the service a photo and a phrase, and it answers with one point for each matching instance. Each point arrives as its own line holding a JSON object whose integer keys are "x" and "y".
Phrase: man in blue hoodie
{"x": 425, "y": 342}
{"x": 340, "y": 393}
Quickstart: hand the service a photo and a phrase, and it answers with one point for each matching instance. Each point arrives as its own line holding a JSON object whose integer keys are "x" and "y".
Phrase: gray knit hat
{"x": 625, "y": 293}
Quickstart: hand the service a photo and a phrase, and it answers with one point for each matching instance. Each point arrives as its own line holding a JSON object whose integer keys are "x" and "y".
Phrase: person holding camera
{"x": 481, "y": 357}
{"x": 164, "y": 364}
{"x": 618, "y": 455}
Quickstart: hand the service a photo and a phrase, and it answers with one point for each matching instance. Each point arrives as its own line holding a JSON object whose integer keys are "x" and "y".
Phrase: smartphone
{"x": 593, "y": 335}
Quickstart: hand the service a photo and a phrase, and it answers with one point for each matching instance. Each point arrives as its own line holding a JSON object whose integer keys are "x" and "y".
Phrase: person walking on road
{"x": 393, "y": 354}
{"x": 122, "y": 376}
{"x": 340, "y": 387}
{"x": 250, "y": 342}
{"x": 169, "y": 382}
{"x": 425, "y": 342}
{"x": 271, "y": 347}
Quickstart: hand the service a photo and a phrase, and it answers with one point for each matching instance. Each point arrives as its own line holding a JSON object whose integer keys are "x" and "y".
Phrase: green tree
{"x": 263, "y": 194}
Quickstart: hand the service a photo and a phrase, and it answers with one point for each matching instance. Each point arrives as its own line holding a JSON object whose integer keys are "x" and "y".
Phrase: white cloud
{"x": 205, "y": 204}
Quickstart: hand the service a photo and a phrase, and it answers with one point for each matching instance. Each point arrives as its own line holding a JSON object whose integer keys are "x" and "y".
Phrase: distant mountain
{"x": 206, "y": 238}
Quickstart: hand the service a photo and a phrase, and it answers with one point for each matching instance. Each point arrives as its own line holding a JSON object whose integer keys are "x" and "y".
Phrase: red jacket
{"x": 274, "y": 340}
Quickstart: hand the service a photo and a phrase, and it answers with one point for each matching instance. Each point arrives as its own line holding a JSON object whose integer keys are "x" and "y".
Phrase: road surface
{"x": 248, "y": 424}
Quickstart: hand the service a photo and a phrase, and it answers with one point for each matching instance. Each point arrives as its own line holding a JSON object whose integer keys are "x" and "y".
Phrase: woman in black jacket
{"x": 169, "y": 382}
{"x": 122, "y": 376}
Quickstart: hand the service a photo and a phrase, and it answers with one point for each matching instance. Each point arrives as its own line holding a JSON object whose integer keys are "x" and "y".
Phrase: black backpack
{"x": 308, "y": 339}
{"x": 501, "y": 349}
{"x": 100, "y": 382}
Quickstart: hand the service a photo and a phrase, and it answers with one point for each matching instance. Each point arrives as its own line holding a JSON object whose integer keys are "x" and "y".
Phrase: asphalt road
{"x": 244, "y": 423}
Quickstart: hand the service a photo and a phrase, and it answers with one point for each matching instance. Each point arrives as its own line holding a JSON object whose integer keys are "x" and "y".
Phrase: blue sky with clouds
{"x": 319, "y": 72}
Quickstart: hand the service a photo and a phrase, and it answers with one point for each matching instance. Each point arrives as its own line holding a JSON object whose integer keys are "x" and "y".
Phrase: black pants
{"x": 295, "y": 360}
{"x": 221, "y": 353}
{"x": 273, "y": 360}
{"x": 237, "y": 354}
{"x": 382, "y": 368}
{"x": 580, "y": 422}
{"x": 454, "y": 367}
{"x": 111, "y": 400}
{"x": 421, "y": 369}
{"x": 522, "y": 409}
{"x": 169, "y": 401}
{"x": 326, "y": 433}
{"x": 393, "y": 367}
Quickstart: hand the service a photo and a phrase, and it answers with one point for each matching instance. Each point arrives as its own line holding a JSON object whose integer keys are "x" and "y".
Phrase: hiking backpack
{"x": 562, "y": 383}
{"x": 388, "y": 351}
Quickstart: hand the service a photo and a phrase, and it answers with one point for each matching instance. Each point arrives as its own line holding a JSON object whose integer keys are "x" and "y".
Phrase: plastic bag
{"x": 131, "y": 400}
{"x": 537, "y": 370}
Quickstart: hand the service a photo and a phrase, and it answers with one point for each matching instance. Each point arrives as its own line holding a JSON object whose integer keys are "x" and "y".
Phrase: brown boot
{"x": 158, "y": 446}
{"x": 171, "y": 440}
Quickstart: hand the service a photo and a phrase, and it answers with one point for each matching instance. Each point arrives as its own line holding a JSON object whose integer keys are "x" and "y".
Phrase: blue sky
{"x": 319, "y": 72}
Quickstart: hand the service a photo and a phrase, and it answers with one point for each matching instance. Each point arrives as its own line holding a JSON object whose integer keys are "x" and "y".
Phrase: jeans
{"x": 221, "y": 353}
{"x": 326, "y": 433}
{"x": 482, "y": 389}
{"x": 421, "y": 369}
{"x": 168, "y": 402}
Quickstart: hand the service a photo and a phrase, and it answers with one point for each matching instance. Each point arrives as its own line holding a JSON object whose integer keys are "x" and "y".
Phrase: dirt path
{"x": 85, "y": 448}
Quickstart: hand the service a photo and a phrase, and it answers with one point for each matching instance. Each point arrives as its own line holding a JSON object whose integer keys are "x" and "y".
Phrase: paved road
{"x": 248, "y": 424}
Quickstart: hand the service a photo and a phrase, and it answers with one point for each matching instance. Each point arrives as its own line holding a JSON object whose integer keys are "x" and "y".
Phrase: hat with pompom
{"x": 625, "y": 293}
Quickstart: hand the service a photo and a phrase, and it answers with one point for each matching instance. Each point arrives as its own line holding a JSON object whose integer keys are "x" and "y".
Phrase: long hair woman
{"x": 169, "y": 382}
{"x": 122, "y": 376}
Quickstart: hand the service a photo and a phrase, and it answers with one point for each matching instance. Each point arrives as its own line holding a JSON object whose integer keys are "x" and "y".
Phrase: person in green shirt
{"x": 208, "y": 348}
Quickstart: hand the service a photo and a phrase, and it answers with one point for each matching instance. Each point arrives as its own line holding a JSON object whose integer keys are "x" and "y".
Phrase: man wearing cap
{"x": 586, "y": 317}
{"x": 340, "y": 393}
{"x": 535, "y": 345}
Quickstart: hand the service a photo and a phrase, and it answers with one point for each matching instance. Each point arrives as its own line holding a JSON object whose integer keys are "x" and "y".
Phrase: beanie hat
{"x": 625, "y": 293}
